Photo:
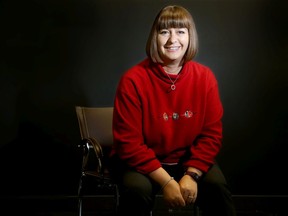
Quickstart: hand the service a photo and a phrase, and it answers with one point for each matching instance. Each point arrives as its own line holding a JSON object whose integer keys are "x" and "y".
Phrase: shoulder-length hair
{"x": 172, "y": 16}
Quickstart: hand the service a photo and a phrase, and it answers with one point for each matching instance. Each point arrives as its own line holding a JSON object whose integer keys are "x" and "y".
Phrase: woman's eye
{"x": 163, "y": 32}
{"x": 181, "y": 32}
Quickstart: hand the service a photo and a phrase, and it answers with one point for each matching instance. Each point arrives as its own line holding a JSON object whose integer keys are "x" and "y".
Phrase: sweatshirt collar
{"x": 159, "y": 71}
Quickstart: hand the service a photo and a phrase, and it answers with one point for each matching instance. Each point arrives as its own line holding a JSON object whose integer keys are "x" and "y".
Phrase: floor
{"x": 247, "y": 205}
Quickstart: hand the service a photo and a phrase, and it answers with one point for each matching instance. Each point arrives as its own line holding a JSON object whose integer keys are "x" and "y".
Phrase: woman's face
{"x": 172, "y": 44}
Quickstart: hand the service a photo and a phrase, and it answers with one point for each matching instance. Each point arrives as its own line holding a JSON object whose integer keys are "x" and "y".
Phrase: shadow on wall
{"x": 36, "y": 163}
{"x": 38, "y": 152}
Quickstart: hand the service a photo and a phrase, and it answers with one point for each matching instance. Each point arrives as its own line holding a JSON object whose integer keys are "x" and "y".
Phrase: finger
{"x": 191, "y": 199}
{"x": 180, "y": 203}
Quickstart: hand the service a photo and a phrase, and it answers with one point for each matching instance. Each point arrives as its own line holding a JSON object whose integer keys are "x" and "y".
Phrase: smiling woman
{"x": 166, "y": 138}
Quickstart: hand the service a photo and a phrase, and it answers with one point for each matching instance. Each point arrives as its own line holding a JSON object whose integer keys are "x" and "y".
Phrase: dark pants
{"x": 137, "y": 192}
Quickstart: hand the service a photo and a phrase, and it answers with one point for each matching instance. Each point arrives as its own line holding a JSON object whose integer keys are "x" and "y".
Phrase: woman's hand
{"x": 189, "y": 189}
{"x": 172, "y": 195}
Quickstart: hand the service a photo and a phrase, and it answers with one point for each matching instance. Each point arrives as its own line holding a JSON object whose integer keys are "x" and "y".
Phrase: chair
{"x": 95, "y": 124}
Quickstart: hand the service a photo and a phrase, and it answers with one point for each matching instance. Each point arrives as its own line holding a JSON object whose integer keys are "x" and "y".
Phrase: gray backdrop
{"x": 56, "y": 54}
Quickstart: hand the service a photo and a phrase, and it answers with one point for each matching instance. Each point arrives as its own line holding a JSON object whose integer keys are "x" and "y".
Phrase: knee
{"x": 137, "y": 184}
{"x": 136, "y": 194}
{"x": 218, "y": 186}
{"x": 215, "y": 187}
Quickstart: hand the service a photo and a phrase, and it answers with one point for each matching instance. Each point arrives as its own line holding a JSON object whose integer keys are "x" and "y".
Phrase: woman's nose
{"x": 173, "y": 37}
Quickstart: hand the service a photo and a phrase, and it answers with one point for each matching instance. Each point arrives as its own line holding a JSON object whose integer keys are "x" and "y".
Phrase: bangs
{"x": 173, "y": 20}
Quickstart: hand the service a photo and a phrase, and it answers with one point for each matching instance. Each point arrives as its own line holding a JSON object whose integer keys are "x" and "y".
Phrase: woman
{"x": 167, "y": 125}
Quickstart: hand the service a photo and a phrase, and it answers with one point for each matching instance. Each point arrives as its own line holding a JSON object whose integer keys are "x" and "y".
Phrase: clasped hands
{"x": 180, "y": 194}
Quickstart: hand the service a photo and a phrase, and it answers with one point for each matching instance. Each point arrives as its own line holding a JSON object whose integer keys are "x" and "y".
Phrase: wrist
{"x": 193, "y": 169}
{"x": 195, "y": 176}
{"x": 166, "y": 183}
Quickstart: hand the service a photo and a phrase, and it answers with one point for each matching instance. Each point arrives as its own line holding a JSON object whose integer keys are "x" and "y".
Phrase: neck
{"x": 175, "y": 69}
{"x": 172, "y": 66}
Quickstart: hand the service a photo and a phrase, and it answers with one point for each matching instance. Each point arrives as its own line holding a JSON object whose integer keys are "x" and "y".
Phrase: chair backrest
{"x": 96, "y": 122}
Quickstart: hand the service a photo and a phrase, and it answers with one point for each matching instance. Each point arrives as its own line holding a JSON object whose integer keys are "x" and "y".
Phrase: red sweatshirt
{"x": 154, "y": 124}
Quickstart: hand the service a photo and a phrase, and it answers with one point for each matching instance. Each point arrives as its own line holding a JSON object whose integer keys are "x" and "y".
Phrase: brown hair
{"x": 172, "y": 16}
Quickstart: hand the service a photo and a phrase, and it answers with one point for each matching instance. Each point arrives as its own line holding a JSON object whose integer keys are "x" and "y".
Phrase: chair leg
{"x": 80, "y": 201}
{"x": 196, "y": 211}
{"x": 117, "y": 196}
{"x": 80, "y": 206}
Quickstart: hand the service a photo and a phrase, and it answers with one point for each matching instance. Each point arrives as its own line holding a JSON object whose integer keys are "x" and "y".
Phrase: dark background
{"x": 56, "y": 54}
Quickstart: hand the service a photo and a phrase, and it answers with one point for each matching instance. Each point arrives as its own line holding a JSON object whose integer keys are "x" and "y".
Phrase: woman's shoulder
{"x": 198, "y": 66}
{"x": 200, "y": 70}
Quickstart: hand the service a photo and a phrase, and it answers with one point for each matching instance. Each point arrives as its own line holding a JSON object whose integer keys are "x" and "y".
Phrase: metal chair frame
{"x": 95, "y": 125}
